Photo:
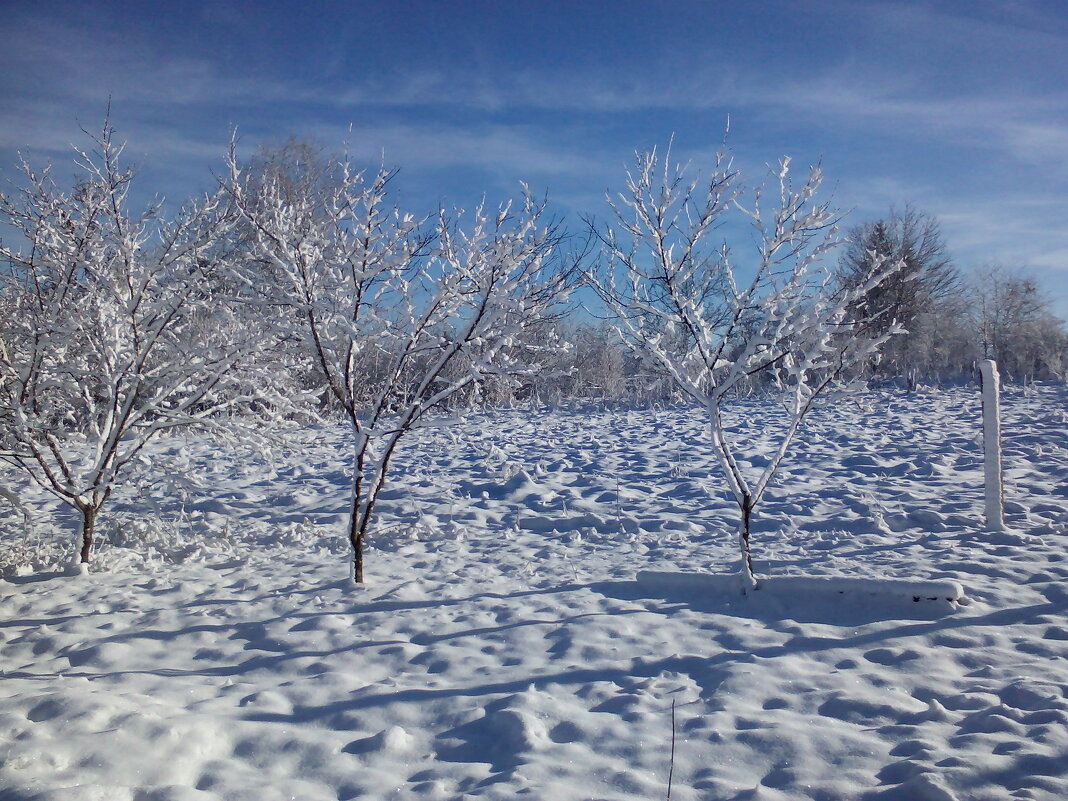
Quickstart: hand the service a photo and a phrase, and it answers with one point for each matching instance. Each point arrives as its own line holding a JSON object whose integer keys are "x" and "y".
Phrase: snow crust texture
{"x": 502, "y": 649}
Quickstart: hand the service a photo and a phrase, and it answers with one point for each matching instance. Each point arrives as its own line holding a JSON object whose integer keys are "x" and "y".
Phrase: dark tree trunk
{"x": 364, "y": 497}
{"x": 356, "y": 539}
{"x": 89, "y": 514}
{"x": 747, "y": 516}
{"x": 356, "y": 519}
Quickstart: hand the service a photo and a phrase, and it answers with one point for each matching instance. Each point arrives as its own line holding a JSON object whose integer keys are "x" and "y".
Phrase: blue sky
{"x": 960, "y": 108}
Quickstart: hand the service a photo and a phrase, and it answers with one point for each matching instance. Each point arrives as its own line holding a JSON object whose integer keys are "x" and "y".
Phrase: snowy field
{"x": 502, "y": 649}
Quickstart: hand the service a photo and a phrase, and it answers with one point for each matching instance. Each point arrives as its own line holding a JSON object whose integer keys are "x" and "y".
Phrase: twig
{"x": 567, "y": 556}
{"x": 671, "y": 768}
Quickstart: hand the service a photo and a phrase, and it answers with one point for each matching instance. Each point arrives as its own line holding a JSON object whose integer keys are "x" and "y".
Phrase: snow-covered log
{"x": 807, "y": 587}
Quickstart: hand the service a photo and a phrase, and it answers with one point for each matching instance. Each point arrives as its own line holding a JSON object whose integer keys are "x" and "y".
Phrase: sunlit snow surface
{"x": 501, "y": 648}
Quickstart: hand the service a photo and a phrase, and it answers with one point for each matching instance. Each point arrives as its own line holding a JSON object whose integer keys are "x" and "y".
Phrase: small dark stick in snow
{"x": 671, "y": 767}
{"x": 991, "y": 383}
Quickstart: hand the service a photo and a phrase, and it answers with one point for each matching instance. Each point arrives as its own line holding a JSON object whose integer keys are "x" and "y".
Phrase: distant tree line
{"x": 951, "y": 318}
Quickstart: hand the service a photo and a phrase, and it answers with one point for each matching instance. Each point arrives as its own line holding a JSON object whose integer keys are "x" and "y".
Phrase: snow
{"x": 502, "y": 647}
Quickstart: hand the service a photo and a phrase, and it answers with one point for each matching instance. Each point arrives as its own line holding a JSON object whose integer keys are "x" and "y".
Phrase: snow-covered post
{"x": 991, "y": 383}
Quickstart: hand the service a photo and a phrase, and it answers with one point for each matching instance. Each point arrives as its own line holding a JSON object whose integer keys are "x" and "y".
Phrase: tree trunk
{"x": 364, "y": 497}
{"x": 89, "y": 514}
{"x": 356, "y": 513}
{"x": 356, "y": 538}
{"x": 746, "y": 566}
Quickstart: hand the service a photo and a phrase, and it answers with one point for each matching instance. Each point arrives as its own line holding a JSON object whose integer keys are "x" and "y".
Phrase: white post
{"x": 988, "y": 369}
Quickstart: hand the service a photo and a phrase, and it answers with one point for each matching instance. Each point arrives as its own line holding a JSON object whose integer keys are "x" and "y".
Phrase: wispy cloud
{"x": 65, "y": 64}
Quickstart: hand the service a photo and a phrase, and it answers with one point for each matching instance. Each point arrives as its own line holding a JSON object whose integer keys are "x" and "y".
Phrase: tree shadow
{"x": 38, "y": 578}
{"x": 777, "y": 610}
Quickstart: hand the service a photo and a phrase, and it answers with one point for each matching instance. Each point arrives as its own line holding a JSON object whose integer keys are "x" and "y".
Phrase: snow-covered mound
{"x": 502, "y": 648}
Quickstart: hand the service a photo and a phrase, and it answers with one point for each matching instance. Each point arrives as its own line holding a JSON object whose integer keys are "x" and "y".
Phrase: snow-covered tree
{"x": 111, "y": 332}
{"x": 772, "y": 320}
{"x": 400, "y": 316}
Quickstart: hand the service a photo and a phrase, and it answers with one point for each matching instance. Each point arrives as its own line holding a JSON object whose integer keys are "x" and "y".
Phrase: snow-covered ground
{"x": 502, "y": 649}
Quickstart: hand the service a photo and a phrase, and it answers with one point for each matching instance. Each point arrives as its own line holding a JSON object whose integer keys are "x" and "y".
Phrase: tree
{"x": 715, "y": 327}
{"x": 921, "y": 296}
{"x": 597, "y": 364}
{"x": 112, "y": 333}
{"x": 397, "y": 320}
{"x": 1015, "y": 327}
